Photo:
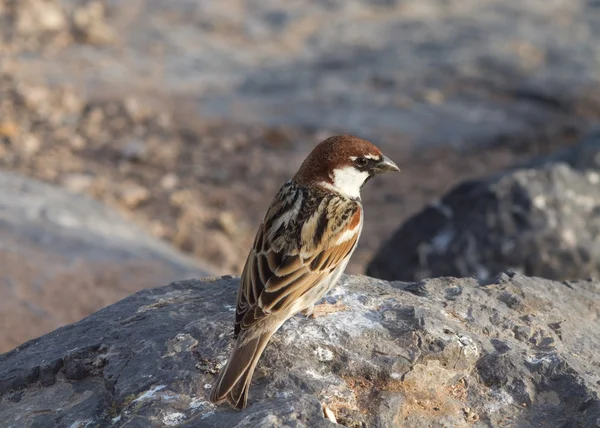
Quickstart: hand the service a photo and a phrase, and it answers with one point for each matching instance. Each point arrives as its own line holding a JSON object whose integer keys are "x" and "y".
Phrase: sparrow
{"x": 300, "y": 251}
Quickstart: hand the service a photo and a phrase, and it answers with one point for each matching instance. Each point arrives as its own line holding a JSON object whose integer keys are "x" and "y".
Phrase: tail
{"x": 233, "y": 382}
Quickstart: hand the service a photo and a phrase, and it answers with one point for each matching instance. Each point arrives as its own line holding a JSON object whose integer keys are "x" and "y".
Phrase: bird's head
{"x": 343, "y": 164}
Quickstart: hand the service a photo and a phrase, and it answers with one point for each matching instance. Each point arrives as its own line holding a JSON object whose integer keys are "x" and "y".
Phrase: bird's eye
{"x": 361, "y": 162}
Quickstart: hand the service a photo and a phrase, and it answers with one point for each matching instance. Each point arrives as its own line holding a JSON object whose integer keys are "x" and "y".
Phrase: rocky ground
{"x": 188, "y": 117}
{"x": 512, "y": 351}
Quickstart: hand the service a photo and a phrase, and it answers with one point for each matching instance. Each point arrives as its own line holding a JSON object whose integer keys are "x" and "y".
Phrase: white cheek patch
{"x": 348, "y": 180}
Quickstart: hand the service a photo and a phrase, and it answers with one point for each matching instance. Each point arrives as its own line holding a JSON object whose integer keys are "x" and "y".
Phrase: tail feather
{"x": 234, "y": 381}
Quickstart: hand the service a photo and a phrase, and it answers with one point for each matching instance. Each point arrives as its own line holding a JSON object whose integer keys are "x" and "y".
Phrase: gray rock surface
{"x": 64, "y": 256}
{"x": 511, "y": 352}
{"x": 541, "y": 218}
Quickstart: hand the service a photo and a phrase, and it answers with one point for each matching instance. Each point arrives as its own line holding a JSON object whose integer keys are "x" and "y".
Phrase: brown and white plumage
{"x": 301, "y": 248}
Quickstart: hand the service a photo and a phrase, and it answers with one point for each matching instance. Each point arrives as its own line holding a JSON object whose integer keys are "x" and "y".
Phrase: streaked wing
{"x": 301, "y": 241}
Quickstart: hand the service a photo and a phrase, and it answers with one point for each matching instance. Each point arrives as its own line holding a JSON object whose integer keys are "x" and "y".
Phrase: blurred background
{"x": 181, "y": 119}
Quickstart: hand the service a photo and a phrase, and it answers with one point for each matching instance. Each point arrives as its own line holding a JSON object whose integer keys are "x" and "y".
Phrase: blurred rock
{"x": 32, "y": 25}
{"x": 169, "y": 181}
{"x": 35, "y": 25}
{"x": 228, "y": 223}
{"x": 30, "y": 145}
{"x": 132, "y": 194}
{"x": 136, "y": 110}
{"x": 38, "y": 16}
{"x": 480, "y": 71}
{"x": 8, "y": 129}
{"x": 89, "y": 24}
{"x": 76, "y": 142}
{"x": 541, "y": 218}
{"x": 518, "y": 352}
{"x": 77, "y": 182}
{"x": 63, "y": 256}
{"x": 135, "y": 150}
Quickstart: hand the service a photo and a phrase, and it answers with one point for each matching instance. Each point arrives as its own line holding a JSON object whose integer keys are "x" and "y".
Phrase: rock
{"x": 35, "y": 25}
{"x": 32, "y": 25}
{"x": 136, "y": 110}
{"x": 76, "y": 142}
{"x": 9, "y": 129}
{"x": 77, "y": 182}
{"x": 90, "y": 26}
{"x": 36, "y": 16}
{"x": 132, "y": 194}
{"x": 516, "y": 351}
{"x": 169, "y": 181}
{"x": 541, "y": 218}
{"x": 228, "y": 223}
{"x": 135, "y": 150}
{"x": 31, "y": 145}
{"x": 64, "y": 256}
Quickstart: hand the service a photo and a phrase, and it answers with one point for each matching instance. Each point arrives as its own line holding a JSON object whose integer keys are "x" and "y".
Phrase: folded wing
{"x": 288, "y": 262}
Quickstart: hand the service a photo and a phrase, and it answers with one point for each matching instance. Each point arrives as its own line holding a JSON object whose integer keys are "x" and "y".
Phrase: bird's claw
{"x": 315, "y": 311}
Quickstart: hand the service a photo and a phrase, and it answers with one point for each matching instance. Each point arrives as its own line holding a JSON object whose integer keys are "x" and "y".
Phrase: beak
{"x": 385, "y": 165}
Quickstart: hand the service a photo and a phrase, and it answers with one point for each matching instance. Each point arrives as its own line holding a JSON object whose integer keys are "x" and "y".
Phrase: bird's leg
{"x": 308, "y": 311}
{"x": 315, "y": 311}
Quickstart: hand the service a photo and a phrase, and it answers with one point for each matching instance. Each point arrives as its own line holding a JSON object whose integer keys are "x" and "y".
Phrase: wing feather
{"x": 286, "y": 301}
{"x": 331, "y": 257}
{"x": 276, "y": 283}
{"x": 265, "y": 272}
{"x": 250, "y": 287}
{"x": 270, "y": 298}
{"x": 289, "y": 264}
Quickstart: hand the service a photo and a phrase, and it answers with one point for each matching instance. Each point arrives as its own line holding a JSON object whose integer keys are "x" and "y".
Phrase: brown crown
{"x": 332, "y": 153}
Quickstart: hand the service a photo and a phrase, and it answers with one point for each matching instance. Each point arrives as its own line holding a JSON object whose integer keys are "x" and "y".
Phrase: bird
{"x": 301, "y": 248}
